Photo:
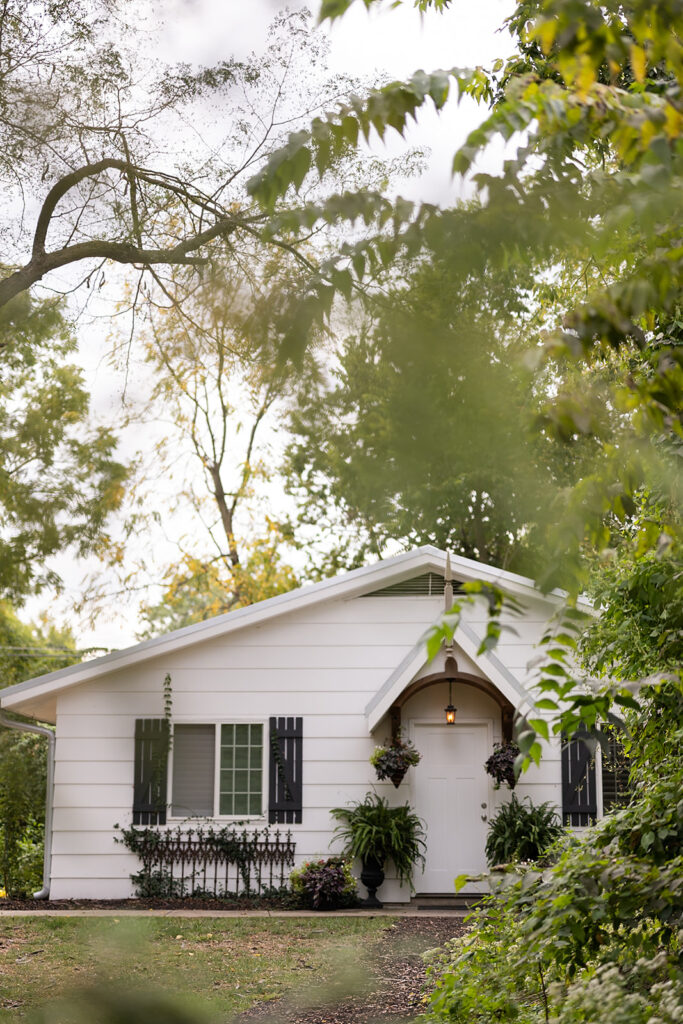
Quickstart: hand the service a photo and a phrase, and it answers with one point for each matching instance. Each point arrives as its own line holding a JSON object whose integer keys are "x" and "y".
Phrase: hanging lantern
{"x": 449, "y": 709}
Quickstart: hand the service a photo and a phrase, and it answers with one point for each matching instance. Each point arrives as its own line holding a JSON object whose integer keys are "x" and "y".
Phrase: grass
{"x": 61, "y": 970}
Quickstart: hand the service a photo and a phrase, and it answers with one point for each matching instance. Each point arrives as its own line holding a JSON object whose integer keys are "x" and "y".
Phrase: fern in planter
{"x": 520, "y": 832}
{"x": 373, "y": 831}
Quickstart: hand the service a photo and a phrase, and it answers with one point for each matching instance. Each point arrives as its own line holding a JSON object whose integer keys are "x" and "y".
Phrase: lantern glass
{"x": 449, "y": 709}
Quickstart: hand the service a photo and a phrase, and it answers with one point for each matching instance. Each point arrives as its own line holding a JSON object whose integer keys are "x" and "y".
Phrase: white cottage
{"x": 276, "y": 709}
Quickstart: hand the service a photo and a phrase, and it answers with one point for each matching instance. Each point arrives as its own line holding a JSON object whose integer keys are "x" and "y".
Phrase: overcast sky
{"x": 384, "y": 42}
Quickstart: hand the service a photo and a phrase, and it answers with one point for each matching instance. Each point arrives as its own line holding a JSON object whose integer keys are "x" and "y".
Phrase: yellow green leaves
{"x": 638, "y": 63}
{"x": 587, "y": 39}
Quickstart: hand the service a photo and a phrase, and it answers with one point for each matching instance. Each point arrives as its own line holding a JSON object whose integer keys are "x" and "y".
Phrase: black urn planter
{"x": 372, "y": 877}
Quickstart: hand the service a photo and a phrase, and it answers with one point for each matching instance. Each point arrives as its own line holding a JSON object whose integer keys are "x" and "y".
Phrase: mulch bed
{"x": 191, "y": 903}
{"x": 394, "y": 989}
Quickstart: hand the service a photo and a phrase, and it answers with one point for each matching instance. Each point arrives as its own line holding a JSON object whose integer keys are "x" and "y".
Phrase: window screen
{"x": 193, "y": 770}
{"x": 241, "y": 775}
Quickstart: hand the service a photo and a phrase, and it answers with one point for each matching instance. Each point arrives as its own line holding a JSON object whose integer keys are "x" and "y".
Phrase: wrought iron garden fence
{"x": 210, "y": 862}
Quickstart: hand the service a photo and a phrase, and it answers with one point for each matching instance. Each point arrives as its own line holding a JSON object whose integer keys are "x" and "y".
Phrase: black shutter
{"x": 615, "y": 774}
{"x": 151, "y": 763}
{"x": 285, "y": 792}
{"x": 579, "y": 796}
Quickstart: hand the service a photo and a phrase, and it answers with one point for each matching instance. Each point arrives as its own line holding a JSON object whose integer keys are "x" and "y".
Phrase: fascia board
{"x": 512, "y": 582}
{"x": 347, "y": 586}
{"x": 394, "y": 686}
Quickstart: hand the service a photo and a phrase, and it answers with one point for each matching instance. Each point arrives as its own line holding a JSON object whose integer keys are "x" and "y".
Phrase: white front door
{"x": 451, "y": 794}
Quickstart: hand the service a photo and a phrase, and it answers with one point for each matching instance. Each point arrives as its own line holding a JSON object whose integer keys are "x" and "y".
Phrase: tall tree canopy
{"x": 218, "y": 384}
{"x": 95, "y": 164}
{"x": 422, "y": 435}
{"x": 59, "y": 476}
{"x": 590, "y": 111}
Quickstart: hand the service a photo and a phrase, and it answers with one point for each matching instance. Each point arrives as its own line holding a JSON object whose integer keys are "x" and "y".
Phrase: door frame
{"x": 480, "y": 886}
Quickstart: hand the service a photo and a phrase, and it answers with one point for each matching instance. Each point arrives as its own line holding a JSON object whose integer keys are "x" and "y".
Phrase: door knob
{"x": 484, "y": 818}
{"x": 483, "y": 807}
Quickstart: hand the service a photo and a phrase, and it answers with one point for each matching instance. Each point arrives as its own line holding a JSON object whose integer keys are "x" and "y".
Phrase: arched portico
{"x": 451, "y": 674}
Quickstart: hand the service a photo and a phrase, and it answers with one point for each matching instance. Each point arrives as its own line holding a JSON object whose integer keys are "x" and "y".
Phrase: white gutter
{"x": 41, "y": 730}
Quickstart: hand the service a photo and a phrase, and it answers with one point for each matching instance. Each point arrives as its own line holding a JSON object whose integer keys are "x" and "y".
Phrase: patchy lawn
{"x": 391, "y": 990}
{"x": 210, "y": 969}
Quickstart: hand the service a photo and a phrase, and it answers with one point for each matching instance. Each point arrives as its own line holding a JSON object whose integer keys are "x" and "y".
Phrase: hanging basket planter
{"x": 501, "y": 764}
{"x": 396, "y": 777}
{"x": 393, "y": 761}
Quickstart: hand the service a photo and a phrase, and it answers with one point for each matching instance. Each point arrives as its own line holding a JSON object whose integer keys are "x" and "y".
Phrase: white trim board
{"x": 416, "y": 660}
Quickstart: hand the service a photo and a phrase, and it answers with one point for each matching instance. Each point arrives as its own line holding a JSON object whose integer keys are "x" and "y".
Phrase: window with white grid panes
{"x": 241, "y": 771}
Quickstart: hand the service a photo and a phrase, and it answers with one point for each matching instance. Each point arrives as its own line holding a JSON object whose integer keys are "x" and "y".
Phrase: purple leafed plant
{"x": 324, "y": 884}
{"x": 395, "y": 759}
{"x": 501, "y": 764}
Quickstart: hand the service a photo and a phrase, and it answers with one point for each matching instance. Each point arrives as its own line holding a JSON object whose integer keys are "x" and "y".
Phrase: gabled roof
{"x": 346, "y": 586}
{"x": 465, "y": 638}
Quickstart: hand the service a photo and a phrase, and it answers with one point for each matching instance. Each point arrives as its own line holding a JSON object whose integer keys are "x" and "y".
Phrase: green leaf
{"x": 626, "y": 701}
{"x": 330, "y": 10}
{"x": 541, "y": 726}
{"x": 535, "y": 753}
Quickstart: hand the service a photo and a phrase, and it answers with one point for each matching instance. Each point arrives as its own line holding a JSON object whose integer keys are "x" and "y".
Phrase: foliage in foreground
{"x": 596, "y": 936}
{"x": 588, "y": 112}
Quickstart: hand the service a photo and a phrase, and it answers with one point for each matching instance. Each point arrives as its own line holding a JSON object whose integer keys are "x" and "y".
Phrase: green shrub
{"x": 23, "y": 759}
{"x": 593, "y": 939}
{"x": 520, "y": 832}
{"x": 324, "y": 884}
{"x": 485, "y": 975}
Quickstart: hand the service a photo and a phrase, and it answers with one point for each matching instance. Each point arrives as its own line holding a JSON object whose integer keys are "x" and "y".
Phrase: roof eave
{"x": 348, "y": 585}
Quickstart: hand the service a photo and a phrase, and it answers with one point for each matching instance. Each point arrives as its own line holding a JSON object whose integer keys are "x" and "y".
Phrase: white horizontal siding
{"x": 70, "y": 773}
{"x": 310, "y": 654}
{"x": 379, "y": 611}
{"x": 99, "y": 865}
{"x": 89, "y": 795}
{"x": 120, "y": 726}
{"x": 540, "y": 792}
{"x": 91, "y": 819}
{"x": 93, "y": 751}
{"x": 319, "y": 691}
{"x": 75, "y": 887}
{"x": 94, "y": 842}
{"x": 90, "y": 751}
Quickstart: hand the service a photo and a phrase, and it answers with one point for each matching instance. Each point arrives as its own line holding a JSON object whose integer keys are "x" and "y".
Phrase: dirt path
{"x": 389, "y": 987}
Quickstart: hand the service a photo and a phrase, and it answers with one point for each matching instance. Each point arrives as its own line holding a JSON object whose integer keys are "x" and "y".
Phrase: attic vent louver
{"x": 430, "y": 584}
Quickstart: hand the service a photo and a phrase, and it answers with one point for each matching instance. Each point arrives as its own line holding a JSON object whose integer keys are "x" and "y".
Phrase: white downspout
{"x": 41, "y": 730}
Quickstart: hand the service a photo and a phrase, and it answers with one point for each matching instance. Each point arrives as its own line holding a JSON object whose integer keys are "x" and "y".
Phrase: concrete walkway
{"x": 387, "y": 911}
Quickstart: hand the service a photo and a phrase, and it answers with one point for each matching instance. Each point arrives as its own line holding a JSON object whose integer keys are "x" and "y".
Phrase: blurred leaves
{"x": 590, "y": 189}
{"x": 60, "y": 478}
